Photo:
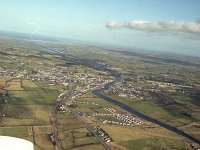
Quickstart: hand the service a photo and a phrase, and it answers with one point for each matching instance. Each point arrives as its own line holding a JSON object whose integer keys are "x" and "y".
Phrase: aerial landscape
{"x": 73, "y": 77}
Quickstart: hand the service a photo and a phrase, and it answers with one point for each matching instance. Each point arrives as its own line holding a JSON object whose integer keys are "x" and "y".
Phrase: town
{"x": 69, "y": 103}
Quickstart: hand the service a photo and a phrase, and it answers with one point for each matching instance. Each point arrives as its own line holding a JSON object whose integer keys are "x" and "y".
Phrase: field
{"x": 28, "y": 95}
{"x": 74, "y": 135}
{"x": 26, "y": 105}
{"x": 27, "y": 110}
{"x": 155, "y": 110}
{"x": 144, "y": 138}
{"x": 148, "y": 136}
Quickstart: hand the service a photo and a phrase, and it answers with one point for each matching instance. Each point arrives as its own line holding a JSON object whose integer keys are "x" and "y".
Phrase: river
{"x": 119, "y": 78}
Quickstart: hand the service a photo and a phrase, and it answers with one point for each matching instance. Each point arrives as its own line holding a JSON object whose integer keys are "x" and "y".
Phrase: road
{"x": 173, "y": 129}
{"x": 54, "y": 126}
{"x": 119, "y": 78}
{"x": 64, "y": 100}
{"x": 90, "y": 128}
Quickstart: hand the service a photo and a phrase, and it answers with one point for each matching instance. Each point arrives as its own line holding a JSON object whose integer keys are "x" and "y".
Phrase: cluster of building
{"x": 128, "y": 91}
{"x": 128, "y": 120}
{"x": 84, "y": 81}
{"x": 190, "y": 91}
{"x": 124, "y": 120}
{"x": 102, "y": 134}
{"x": 123, "y": 89}
{"x": 166, "y": 84}
{"x": 64, "y": 109}
{"x": 7, "y": 73}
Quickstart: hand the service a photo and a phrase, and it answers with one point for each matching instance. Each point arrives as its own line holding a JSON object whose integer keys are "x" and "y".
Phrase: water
{"x": 119, "y": 78}
{"x": 147, "y": 118}
{"x": 50, "y": 49}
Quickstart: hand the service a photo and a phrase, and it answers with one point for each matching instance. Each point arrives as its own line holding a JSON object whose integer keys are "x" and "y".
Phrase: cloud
{"x": 114, "y": 25}
{"x": 174, "y": 27}
{"x": 198, "y": 20}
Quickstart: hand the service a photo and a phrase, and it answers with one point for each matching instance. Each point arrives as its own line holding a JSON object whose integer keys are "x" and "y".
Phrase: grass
{"x": 32, "y": 97}
{"x": 27, "y": 115}
{"x": 90, "y": 98}
{"x": 68, "y": 121}
{"x": 140, "y": 138}
{"x": 137, "y": 132}
{"x": 19, "y": 112}
{"x": 32, "y": 106}
{"x": 14, "y": 131}
{"x": 137, "y": 137}
{"x": 70, "y": 127}
{"x": 75, "y": 131}
{"x": 34, "y": 94}
{"x": 110, "y": 118}
{"x": 67, "y": 143}
{"x": 85, "y": 141}
{"x": 101, "y": 110}
{"x": 90, "y": 147}
{"x": 28, "y": 84}
{"x": 140, "y": 144}
{"x": 9, "y": 65}
{"x": 153, "y": 144}
{"x": 193, "y": 129}
{"x": 88, "y": 106}
{"x": 81, "y": 144}
{"x": 3, "y": 80}
{"x": 154, "y": 110}
{"x": 42, "y": 129}
{"x": 46, "y": 87}
{"x": 62, "y": 115}
{"x": 43, "y": 142}
{"x": 14, "y": 85}
{"x": 84, "y": 110}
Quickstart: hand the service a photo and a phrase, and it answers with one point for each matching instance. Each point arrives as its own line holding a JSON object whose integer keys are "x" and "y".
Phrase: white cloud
{"x": 114, "y": 24}
{"x": 198, "y": 20}
{"x": 179, "y": 27}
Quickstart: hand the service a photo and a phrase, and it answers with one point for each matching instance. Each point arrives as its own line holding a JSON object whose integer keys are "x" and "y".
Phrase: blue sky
{"x": 86, "y": 20}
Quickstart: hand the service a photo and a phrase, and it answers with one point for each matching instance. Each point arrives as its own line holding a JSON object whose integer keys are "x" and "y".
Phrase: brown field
{"x": 14, "y": 85}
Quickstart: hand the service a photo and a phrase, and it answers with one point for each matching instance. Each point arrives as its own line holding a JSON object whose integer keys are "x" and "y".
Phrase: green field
{"x": 154, "y": 110}
{"x": 153, "y": 143}
{"x": 26, "y": 104}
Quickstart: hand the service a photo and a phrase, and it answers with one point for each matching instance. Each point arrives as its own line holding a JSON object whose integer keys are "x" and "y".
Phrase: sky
{"x": 164, "y": 25}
